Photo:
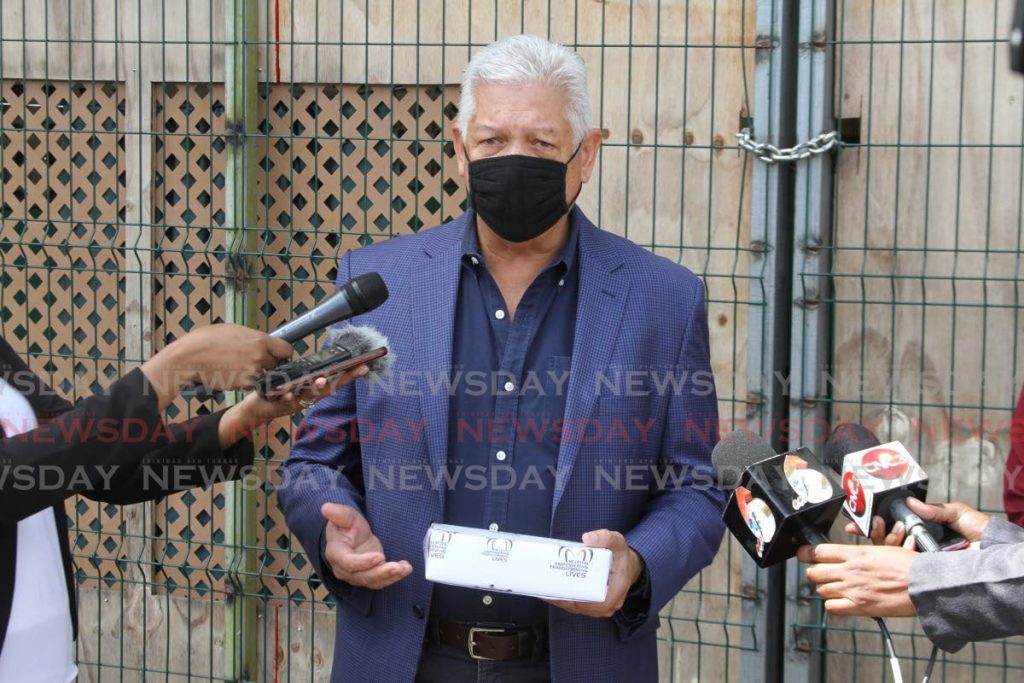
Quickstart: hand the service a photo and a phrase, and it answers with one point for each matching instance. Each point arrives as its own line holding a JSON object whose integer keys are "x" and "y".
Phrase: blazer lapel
{"x": 434, "y": 290}
{"x": 604, "y": 286}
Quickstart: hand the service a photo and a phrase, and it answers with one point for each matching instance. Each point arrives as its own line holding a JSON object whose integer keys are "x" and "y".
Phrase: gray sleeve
{"x": 969, "y": 595}
{"x": 1001, "y": 531}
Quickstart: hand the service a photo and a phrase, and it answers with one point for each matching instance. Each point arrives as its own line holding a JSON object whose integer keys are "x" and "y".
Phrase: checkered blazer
{"x": 371, "y": 446}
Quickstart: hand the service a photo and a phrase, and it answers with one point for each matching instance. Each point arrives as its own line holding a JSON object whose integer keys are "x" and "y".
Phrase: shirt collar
{"x": 566, "y": 258}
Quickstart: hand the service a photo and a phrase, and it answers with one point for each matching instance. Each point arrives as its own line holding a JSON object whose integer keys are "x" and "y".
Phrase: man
{"x": 111, "y": 447}
{"x": 509, "y": 297}
{"x": 959, "y": 597}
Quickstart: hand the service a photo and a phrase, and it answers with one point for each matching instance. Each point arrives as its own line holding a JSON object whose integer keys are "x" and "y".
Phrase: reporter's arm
{"x": 969, "y": 595}
{"x": 1000, "y": 531}
{"x": 80, "y": 450}
{"x": 208, "y": 449}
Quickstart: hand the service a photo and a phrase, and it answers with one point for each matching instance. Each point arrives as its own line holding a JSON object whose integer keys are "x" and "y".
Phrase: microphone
{"x": 359, "y": 295}
{"x": 878, "y": 479}
{"x": 779, "y": 502}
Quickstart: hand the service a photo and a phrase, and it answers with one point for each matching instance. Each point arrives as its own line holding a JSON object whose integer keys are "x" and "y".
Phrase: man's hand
{"x": 627, "y": 566}
{"x": 861, "y": 581}
{"x": 355, "y": 555}
{"x": 961, "y": 518}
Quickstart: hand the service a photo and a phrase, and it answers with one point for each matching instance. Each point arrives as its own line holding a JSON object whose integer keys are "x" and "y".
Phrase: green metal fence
{"x": 170, "y": 163}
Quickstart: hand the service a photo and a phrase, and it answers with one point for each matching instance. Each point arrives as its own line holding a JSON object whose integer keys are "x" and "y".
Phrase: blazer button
{"x": 418, "y": 611}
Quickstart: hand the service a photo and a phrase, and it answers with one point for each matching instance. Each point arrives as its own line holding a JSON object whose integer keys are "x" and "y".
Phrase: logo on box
{"x": 439, "y": 540}
{"x": 498, "y": 549}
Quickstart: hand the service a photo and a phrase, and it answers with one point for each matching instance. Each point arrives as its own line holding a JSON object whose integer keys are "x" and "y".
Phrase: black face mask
{"x": 520, "y": 197}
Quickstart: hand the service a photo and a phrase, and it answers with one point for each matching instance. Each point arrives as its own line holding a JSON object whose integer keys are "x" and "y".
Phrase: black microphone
{"x": 779, "y": 502}
{"x": 359, "y": 295}
{"x": 878, "y": 479}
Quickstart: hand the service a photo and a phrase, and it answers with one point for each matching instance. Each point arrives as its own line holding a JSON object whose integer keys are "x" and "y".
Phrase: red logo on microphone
{"x": 885, "y": 463}
{"x": 854, "y": 493}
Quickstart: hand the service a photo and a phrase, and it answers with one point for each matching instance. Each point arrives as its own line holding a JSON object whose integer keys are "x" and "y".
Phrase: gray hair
{"x": 528, "y": 60}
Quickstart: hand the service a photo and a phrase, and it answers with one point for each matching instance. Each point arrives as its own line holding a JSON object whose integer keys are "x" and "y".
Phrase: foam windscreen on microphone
{"x": 735, "y": 452}
{"x": 846, "y": 438}
{"x": 360, "y": 339}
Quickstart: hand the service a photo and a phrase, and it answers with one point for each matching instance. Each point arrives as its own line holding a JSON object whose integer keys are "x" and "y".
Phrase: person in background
{"x": 1013, "y": 480}
{"x": 111, "y": 447}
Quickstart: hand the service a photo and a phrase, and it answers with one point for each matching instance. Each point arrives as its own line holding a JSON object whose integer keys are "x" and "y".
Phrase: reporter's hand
{"x": 354, "y": 554}
{"x": 627, "y": 566}
{"x": 861, "y": 580}
{"x": 897, "y": 536}
{"x": 221, "y": 356}
{"x": 961, "y": 518}
{"x": 254, "y": 410}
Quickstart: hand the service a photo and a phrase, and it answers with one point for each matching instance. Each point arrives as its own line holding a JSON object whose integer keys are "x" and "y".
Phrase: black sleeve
{"x": 187, "y": 456}
{"x": 100, "y": 448}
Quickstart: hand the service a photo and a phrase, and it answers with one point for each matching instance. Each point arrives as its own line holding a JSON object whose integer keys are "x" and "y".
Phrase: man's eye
{"x": 489, "y": 141}
{"x": 545, "y": 145}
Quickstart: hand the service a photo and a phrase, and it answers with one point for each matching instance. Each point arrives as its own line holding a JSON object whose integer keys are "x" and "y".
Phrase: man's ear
{"x": 460, "y": 149}
{"x": 589, "y": 149}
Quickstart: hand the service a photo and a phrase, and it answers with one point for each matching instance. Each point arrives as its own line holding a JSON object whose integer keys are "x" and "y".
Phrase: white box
{"x": 515, "y": 563}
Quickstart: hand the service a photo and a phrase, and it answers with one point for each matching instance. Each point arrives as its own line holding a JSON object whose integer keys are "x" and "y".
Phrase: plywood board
{"x": 928, "y": 260}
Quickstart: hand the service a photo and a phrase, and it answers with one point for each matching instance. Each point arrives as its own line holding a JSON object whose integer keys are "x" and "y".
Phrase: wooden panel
{"x": 928, "y": 256}
{"x": 371, "y": 165}
{"x": 339, "y": 168}
{"x": 61, "y": 177}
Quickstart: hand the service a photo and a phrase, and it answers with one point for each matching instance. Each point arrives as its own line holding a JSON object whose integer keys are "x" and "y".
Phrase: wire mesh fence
{"x": 127, "y": 181}
{"x": 926, "y": 270}
{"x": 121, "y": 205}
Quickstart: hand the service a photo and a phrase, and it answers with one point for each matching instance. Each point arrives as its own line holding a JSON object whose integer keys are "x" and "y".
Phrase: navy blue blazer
{"x": 639, "y": 316}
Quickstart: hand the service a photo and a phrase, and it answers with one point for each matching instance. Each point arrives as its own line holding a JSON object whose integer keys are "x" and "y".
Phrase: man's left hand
{"x": 627, "y": 566}
{"x": 861, "y": 581}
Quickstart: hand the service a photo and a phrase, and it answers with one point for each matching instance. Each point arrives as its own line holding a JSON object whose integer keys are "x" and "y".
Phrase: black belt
{"x": 490, "y": 642}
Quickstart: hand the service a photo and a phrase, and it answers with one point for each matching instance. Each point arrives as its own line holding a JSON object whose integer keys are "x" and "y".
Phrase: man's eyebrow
{"x": 543, "y": 130}
{"x": 548, "y": 130}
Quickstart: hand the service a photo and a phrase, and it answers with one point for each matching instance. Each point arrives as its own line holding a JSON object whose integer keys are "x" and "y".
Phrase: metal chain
{"x": 770, "y": 154}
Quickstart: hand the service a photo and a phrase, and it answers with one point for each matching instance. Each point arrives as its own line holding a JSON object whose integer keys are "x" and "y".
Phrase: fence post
{"x": 240, "y": 91}
{"x": 810, "y": 337}
{"x": 769, "y": 356}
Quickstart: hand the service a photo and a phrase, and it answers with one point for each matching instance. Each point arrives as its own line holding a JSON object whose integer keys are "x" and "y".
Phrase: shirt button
{"x": 499, "y": 314}
{"x": 474, "y": 260}
{"x": 509, "y": 386}
{"x": 418, "y": 611}
{"x": 488, "y": 599}
{"x": 493, "y": 526}
{"x": 561, "y": 282}
{"x": 501, "y": 455}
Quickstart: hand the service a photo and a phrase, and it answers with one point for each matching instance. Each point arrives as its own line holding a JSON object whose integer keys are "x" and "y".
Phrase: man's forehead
{"x": 538, "y": 108}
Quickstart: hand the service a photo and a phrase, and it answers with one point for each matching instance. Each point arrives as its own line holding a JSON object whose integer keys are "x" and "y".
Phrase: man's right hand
{"x": 355, "y": 555}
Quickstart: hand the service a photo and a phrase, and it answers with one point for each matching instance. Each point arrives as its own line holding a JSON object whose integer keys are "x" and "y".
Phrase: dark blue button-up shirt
{"x": 509, "y": 384}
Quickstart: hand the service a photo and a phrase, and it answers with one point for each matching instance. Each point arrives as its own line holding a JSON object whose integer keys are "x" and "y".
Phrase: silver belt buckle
{"x": 471, "y": 646}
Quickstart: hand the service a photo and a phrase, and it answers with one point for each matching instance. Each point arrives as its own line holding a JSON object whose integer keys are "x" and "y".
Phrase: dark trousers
{"x": 444, "y": 664}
